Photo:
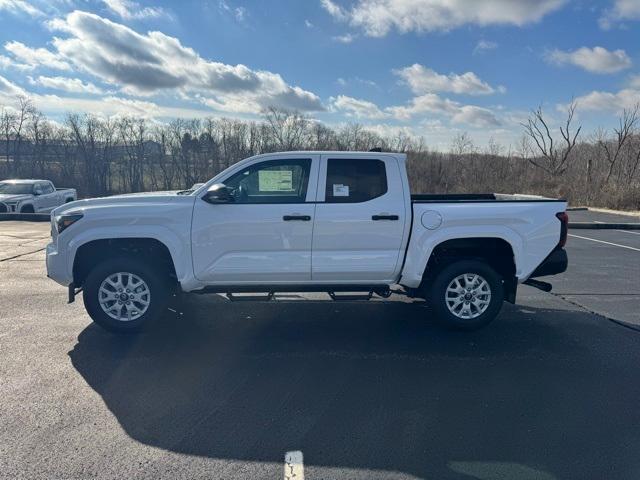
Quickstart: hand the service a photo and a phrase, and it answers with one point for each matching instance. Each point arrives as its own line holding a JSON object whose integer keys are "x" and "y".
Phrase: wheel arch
{"x": 93, "y": 252}
{"x": 28, "y": 205}
{"x": 497, "y": 252}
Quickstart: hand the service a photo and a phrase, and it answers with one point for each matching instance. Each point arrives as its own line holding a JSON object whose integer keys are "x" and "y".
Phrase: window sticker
{"x": 340, "y": 190}
{"x": 275, "y": 180}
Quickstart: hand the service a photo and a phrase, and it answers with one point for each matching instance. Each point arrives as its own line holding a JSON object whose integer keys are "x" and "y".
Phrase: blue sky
{"x": 430, "y": 68}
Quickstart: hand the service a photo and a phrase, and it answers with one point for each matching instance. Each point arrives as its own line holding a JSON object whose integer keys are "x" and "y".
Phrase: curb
{"x": 603, "y": 226}
{"x": 29, "y": 217}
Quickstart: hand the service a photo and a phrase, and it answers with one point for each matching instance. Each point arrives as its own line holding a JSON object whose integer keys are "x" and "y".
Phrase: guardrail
{"x": 28, "y": 217}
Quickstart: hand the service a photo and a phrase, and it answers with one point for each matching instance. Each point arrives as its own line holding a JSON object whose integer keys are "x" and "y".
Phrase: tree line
{"x": 104, "y": 156}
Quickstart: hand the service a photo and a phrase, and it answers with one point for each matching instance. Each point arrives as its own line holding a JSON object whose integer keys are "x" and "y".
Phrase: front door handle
{"x": 299, "y": 218}
{"x": 385, "y": 217}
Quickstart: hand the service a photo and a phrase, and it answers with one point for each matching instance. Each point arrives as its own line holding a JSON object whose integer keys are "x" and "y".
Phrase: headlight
{"x": 66, "y": 220}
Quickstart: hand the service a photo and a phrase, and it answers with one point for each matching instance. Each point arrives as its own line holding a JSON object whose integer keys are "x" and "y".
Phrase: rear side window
{"x": 355, "y": 181}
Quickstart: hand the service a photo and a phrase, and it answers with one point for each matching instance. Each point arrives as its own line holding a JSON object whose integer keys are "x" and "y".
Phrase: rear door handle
{"x": 299, "y": 218}
{"x": 385, "y": 217}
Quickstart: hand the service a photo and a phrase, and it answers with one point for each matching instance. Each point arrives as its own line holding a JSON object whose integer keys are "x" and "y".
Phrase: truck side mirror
{"x": 218, "y": 193}
{"x": 37, "y": 191}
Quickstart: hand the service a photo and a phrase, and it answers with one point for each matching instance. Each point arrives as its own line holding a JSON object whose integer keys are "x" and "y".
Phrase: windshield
{"x": 15, "y": 188}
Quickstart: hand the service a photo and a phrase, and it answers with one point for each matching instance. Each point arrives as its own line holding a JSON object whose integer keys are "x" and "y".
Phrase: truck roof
{"x": 23, "y": 180}
{"x": 342, "y": 153}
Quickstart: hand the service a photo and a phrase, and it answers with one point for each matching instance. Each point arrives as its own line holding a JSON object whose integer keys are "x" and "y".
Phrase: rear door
{"x": 360, "y": 219}
{"x": 264, "y": 235}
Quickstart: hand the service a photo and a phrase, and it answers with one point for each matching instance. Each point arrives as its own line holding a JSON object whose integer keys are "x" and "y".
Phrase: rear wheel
{"x": 124, "y": 294}
{"x": 466, "y": 294}
{"x": 27, "y": 209}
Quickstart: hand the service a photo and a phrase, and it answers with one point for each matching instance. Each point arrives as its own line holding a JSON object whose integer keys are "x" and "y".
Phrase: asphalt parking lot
{"x": 222, "y": 390}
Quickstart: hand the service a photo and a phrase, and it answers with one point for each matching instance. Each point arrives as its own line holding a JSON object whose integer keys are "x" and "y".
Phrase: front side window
{"x": 355, "y": 180}
{"x": 8, "y": 188}
{"x": 271, "y": 181}
{"x": 47, "y": 188}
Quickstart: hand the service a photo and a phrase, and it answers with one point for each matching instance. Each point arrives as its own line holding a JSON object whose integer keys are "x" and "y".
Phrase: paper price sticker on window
{"x": 275, "y": 180}
{"x": 340, "y": 190}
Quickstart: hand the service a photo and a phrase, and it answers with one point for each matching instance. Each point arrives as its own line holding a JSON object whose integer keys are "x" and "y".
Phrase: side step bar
{"x": 250, "y": 298}
{"x": 349, "y": 292}
{"x": 349, "y": 298}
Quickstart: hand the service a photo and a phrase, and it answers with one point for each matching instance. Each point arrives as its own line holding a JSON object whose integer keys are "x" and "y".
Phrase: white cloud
{"x": 634, "y": 81}
{"x": 608, "y": 101}
{"x": 476, "y": 116}
{"x": 74, "y": 85}
{"x": 595, "y": 60}
{"x": 334, "y": 10}
{"x": 20, "y": 6}
{"x": 107, "y": 106}
{"x": 9, "y": 89}
{"x": 35, "y": 57}
{"x": 130, "y": 10}
{"x": 622, "y": 10}
{"x": 423, "y": 80}
{"x": 347, "y": 38}
{"x": 378, "y": 17}
{"x": 7, "y": 63}
{"x": 354, "y": 107}
{"x": 240, "y": 13}
{"x": 308, "y": 24}
{"x": 458, "y": 113}
{"x": 144, "y": 64}
{"x": 484, "y": 46}
{"x": 428, "y": 103}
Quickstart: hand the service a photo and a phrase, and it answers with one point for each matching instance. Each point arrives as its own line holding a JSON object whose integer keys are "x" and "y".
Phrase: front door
{"x": 360, "y": 220}
{"x": 264, "y": 235}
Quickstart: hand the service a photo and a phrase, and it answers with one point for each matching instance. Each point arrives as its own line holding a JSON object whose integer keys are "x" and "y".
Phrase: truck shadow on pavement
{"x": 539, "y": 394}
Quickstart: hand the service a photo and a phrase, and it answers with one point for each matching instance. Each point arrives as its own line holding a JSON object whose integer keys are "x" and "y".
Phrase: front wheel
{"x": 466, "y": 294}
{"x": 124, "y": 294}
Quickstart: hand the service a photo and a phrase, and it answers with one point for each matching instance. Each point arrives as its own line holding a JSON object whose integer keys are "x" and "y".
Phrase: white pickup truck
{"x": 32, "y": 196}
{"x": 333, "y": 222}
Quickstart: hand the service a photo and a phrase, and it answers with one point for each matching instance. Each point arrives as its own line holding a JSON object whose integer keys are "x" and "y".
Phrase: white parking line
{"x": 608, "y": 243}
{"x": 293, "y": 466}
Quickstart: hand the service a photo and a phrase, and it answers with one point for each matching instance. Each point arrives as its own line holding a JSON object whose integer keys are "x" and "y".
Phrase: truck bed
{"x": 478, "y": 198}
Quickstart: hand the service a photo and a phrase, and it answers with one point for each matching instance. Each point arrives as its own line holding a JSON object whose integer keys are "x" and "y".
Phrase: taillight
{"x": 564, "y": 225}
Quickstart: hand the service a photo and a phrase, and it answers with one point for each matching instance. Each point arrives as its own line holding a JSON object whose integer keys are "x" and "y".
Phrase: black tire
{"x": 157, "y": 281}
{"x": 436, "y": 294}
{"x": 27, "y": 209}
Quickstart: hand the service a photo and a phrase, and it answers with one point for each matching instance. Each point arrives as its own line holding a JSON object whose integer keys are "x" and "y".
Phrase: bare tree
{"x": 287, "y": 127}
{"x": 554, "y": 157}
{"x": 462, "y": 144}
{"x": 7, "y": 125}
{"x": 623, "y": 133}
{"x": 25, "y": 109}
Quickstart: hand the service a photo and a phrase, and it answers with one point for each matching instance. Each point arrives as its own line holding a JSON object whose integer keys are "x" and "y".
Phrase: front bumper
{"x": 57, "y": 266}
{"x": 555, "y": 263}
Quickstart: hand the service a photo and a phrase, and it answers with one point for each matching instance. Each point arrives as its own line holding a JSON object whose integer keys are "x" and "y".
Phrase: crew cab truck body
{"x": 305, "y": 221}
{"x": 33, "y": 196}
